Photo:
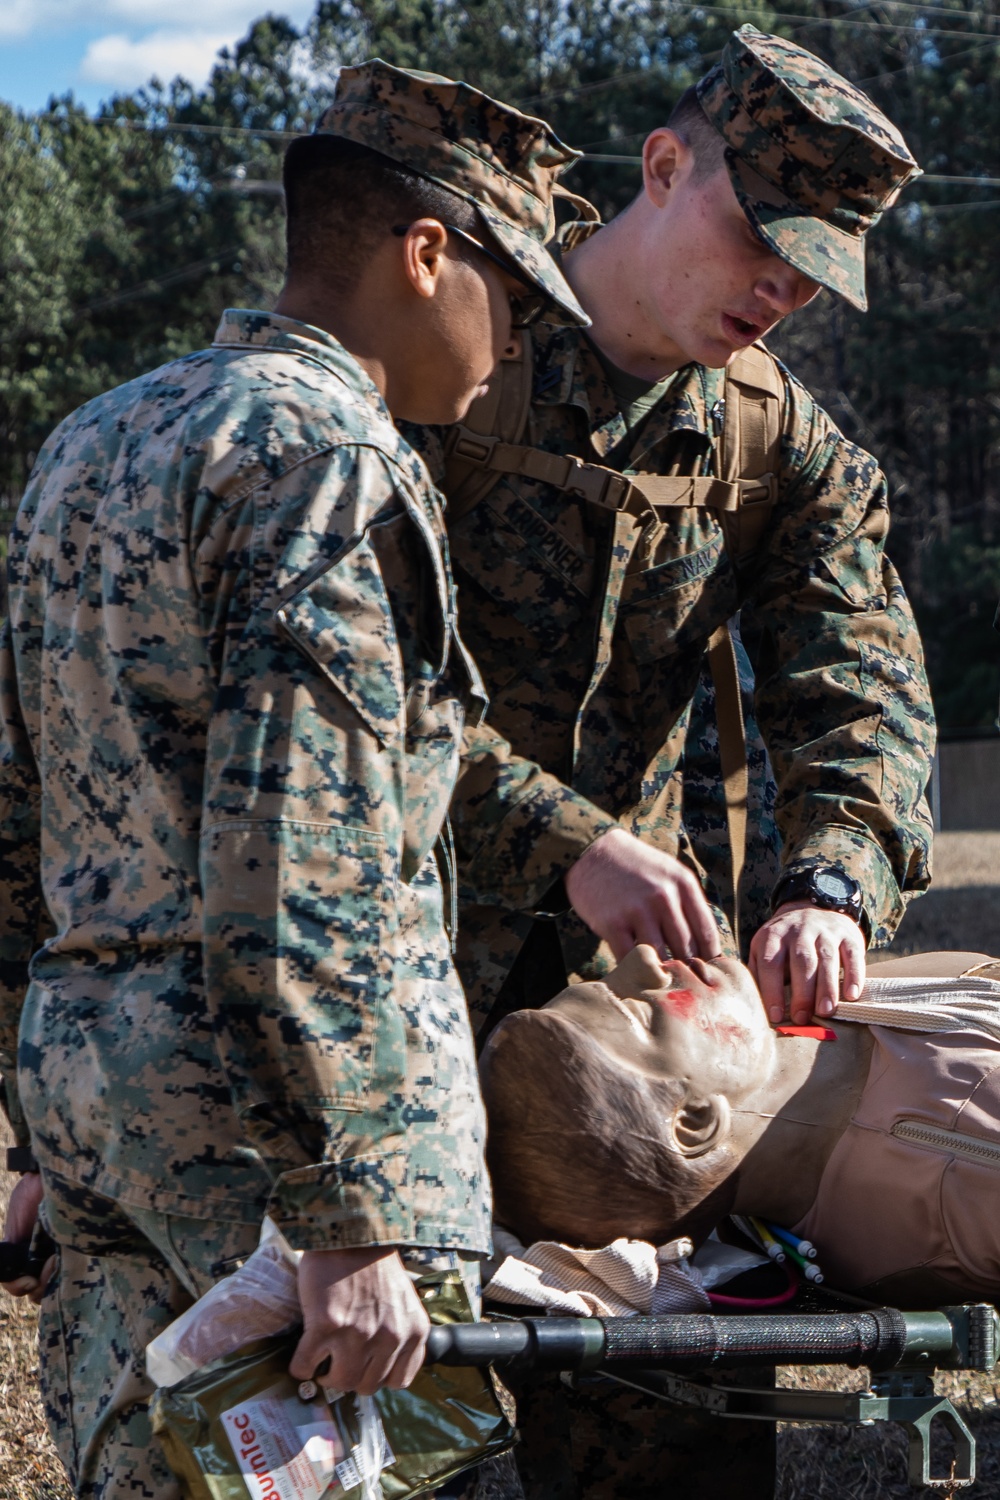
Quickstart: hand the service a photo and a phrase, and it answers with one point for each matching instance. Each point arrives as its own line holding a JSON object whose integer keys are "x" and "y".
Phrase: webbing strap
{"x": 636, "y": 494}
{"x": 732, "y": 753}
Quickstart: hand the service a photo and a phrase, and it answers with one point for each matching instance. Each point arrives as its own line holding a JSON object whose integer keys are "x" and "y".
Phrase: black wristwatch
{"x": 827, "y": 887}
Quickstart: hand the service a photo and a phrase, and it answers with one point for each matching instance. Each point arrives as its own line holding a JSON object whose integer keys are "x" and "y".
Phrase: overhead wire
{"x": 871, "y": 25}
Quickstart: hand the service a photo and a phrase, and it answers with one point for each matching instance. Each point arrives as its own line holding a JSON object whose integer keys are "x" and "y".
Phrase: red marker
{"x": 818, "y": 1033}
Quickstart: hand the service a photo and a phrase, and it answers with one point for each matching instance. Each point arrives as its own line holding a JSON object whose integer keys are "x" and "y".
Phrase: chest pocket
{"x": 533, "y": 583}
{"x": 671, "y": 604}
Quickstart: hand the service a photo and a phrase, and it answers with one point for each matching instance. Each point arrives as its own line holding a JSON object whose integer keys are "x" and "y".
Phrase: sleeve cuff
{"x": 541, "y": 838}
{"x": 344, "y": 1205}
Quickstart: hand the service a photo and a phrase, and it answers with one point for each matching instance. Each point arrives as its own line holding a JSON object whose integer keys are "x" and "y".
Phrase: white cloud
{"x": 26, "y": 18}
{"x": 118, "y": 61}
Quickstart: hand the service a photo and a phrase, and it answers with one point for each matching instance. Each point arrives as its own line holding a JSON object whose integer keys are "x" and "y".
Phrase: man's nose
{"x": 784, "y": 288}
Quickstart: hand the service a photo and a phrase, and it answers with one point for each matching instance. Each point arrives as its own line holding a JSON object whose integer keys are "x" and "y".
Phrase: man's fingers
{"x": 803, "y": 967}
{"x": 348, "y": 1361}
{"x": 700, "y": 921}
{"x": 670, "y": 931}
{"x": 827, "y": 977}
{"x": 628, "y": 892}
{"x": 408, "y": 1365}
{"x": 24, "y": 1286}
{"x": 767, "y": 965}
{"x": 852, "y": 956}
{"x": 622, "y": 940}
{"x": 310, "y": 1352}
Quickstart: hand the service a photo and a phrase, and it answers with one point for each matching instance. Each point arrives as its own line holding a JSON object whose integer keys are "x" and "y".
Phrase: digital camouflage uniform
{"x": 591, "y": 629}
{"x": 233, "y": 698}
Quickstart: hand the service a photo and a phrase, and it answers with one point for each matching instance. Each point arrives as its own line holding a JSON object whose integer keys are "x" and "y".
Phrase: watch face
{"x": 834, "y": 886}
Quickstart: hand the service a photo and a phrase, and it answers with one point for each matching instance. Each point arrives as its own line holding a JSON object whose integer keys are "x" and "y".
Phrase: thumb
{"x": 311, "y": 1358}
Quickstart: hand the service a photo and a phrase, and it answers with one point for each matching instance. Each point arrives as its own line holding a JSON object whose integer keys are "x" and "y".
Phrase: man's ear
{"x": 699, "y": 1125}
{"x": 423, "y": 254}
{"x": 666, "y": 160}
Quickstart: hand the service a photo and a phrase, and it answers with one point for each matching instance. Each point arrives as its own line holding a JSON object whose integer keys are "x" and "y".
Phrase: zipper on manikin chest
{"x": 953, "y": 1142}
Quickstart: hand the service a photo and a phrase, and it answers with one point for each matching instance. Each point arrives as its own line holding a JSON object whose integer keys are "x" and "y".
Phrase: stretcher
{"x": 675, "y": 1358}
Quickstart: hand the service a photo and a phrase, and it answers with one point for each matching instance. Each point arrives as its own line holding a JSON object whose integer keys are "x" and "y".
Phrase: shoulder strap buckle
{"x": 761, "y": 490}
{"x": 476, "y": 448}
{"x": 597, "y": 485}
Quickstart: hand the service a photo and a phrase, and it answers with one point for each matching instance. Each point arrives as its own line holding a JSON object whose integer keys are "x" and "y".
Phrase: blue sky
{"x": 96, "y": 47}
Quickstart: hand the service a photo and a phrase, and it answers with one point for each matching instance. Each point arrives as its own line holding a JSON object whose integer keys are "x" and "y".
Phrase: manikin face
{"x": 709, "y": 286}
{"x": 700, "y": 1023}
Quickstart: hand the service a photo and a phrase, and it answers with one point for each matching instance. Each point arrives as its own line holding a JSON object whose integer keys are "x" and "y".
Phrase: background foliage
{"x": 123, "y": 235}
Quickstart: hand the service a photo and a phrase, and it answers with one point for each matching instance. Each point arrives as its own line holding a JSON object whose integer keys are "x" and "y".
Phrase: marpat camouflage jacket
{"x": 233, "y": 699}
{"x": 590, "y": 633}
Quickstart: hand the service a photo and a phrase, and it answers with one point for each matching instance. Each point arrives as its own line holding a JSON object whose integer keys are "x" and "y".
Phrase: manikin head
{"x": 611, "y": 1110}
{"x": 758, "y": 192}
{"x": 417, "y": 216}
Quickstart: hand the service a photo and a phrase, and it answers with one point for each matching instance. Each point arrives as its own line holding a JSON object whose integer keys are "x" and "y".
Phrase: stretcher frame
{"x": 673, "y": 1358}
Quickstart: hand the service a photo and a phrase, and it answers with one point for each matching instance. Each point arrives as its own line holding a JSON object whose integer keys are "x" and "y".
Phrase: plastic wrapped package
{"x": 263, "y": 1295}
{"x": 241, "y": 1428}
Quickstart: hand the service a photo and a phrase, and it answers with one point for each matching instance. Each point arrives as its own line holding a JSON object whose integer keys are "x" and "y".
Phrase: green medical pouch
{"x": 239, "y": 1429}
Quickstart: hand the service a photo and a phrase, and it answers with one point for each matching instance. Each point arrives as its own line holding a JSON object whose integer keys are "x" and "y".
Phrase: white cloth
{"x": 927, "y": 1004}
{"x": 620, "y": 1280}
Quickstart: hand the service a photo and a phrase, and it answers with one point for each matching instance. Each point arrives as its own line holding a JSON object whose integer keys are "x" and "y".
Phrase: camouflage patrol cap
{"x": 814, "y": 163}
{"x": 502, "y": 162}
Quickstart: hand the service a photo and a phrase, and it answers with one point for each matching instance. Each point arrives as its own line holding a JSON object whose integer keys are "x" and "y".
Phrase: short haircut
{"x": 342, "y": 198}
{"x": 696, "y": 130}
{"x": 579, "y": 1147}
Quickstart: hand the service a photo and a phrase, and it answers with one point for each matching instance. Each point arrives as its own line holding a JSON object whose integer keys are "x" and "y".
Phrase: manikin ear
{"x": 667, "y": 160}
{"x": 700, "y": 1125}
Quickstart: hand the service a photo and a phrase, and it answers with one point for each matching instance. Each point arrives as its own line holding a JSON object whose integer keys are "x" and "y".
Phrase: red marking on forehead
{"x": 681, "y": 1002}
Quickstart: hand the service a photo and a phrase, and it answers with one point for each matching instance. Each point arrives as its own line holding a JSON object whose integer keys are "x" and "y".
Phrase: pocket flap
{"x": 343, "y": 622}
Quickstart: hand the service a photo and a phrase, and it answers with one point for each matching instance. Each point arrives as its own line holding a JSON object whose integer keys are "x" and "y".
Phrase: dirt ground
{"x": 815, "y": 1462}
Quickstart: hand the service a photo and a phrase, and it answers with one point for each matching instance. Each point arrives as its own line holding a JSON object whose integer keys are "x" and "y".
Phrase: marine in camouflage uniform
{"x": 591, "y": 631}
{"x": 233, "y": 696}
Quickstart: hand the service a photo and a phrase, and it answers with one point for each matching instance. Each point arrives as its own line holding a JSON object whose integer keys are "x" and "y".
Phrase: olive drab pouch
{"x": 244, "y": 1429}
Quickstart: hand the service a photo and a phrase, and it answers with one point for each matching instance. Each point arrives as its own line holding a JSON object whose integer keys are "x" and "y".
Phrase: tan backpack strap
{"x": 732, "y": 753}
{"x": 636, "y": 494}
{"x": 751, "y": 445}
{"x": 502, "y": 413}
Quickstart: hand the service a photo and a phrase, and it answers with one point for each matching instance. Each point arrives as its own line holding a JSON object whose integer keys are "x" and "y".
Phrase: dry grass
{"x": 814, "y": 1462}
{"x": 869, "y": 1463}
{"x": 29, "y": 1468}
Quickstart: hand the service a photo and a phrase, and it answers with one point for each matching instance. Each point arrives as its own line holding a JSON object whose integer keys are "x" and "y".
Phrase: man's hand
{"x": 628, "y": 893}
{"x": 359, "y": 1308}
{"x": 22, "y": 1216}
{"x": 807, "y": 947}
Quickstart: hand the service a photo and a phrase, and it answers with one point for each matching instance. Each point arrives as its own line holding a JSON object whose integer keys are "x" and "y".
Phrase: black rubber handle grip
{"x": 699, "y": 1340}
{"x": 880, "y": 1338}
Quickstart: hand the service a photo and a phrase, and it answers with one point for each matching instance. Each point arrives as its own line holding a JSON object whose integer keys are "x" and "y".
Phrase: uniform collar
{"x": 568, "y": 372}
{"x": 245, "y": 328}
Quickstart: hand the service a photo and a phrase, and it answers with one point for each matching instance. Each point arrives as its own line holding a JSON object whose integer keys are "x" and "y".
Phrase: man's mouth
{"x": 741, "y": 330}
